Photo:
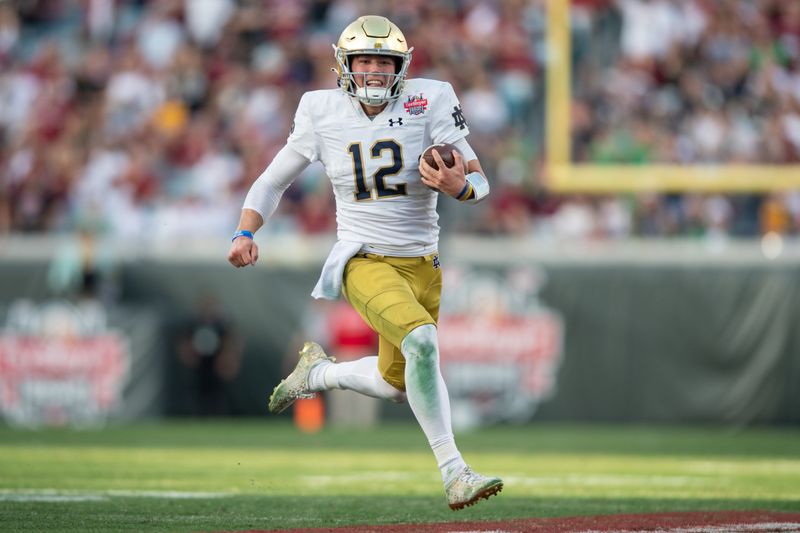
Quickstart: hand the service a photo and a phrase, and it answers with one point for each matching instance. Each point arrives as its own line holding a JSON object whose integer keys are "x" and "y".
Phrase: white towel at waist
{"x": 329, "y": 284}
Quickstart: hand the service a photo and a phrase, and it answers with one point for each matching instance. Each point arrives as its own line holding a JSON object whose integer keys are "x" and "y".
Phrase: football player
{"x": 369, "y": 134}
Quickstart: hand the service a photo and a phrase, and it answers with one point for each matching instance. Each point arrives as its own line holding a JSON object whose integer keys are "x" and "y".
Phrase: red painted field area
{"x": 695, "y": 522}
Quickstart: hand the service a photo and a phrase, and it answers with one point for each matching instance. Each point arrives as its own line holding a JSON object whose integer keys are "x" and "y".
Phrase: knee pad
{"x": 421, "y": 343}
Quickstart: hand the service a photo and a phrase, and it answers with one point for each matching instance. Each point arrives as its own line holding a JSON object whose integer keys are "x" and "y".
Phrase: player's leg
{"x": 428, "y": 398}
{"x": 316, "y": 372}
{"x": 427, "y": 392}
{"x": 403, "y": 306}
{"x": 413, "y": 362}
{"x": 377, "y": 282}
{"x": 369, "y": 279}
{"x": 361, "y": 375}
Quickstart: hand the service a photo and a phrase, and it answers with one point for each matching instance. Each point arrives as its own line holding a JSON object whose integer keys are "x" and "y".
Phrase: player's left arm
{"x": 464, "y": 181}
{"x": 477, "y": 186}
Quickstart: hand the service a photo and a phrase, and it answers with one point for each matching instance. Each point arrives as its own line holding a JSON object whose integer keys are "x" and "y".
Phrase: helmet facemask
{"x": 372, "y": 95}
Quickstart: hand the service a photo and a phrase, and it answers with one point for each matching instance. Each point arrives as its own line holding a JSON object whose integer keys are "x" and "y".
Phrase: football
{"x": 445, "y": 150}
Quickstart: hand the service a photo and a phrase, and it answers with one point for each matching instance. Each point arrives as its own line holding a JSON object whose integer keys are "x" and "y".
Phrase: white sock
{"x": 316, "y": 377}
{"x": 427, "y": 396}
{"x": 361, "y": 375}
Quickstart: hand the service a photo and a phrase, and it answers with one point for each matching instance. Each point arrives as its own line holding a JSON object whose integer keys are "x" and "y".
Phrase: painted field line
{"x": 57, "y": 495}
{"x": 610, "y": 480}
{"x": 354, "y": 478}
{"x": 55, "y": 498}
{"x": 171, "y": 494}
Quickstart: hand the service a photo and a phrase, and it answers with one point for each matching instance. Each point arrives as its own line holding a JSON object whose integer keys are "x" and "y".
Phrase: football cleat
{"x": 295, "y": 385}
{"x": 469, "y": 487}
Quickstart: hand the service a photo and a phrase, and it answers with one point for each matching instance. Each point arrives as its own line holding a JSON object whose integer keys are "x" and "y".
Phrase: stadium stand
{"x": 133, "y": 117}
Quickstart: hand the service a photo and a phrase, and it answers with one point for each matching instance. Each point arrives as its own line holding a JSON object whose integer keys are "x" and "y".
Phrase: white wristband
{"x": 480, "y": 186}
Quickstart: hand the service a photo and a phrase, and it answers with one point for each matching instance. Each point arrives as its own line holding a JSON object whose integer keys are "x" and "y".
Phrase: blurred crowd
{"x": 151, "y": 118}
{"x": 693, "y": 82}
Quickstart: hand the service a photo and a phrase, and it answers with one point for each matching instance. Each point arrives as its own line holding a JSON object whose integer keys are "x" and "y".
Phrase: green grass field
{"x": 259, "y": 474}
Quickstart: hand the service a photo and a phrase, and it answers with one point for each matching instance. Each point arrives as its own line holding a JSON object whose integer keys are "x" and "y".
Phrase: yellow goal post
{"x": 566, "y": 176}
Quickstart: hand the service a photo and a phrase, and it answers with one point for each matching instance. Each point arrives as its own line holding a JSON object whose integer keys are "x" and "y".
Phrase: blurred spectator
{"x": 9, "y": 30}
{"x": 160, "y": 34}
{"x": 83, "y": 270}
{"x": 141, "y": 114}
{"x": 209, "y": 348}
{"x": 694, "y": 82}
{"x": 168, "y": 109}
{"x": 206, "y": 19}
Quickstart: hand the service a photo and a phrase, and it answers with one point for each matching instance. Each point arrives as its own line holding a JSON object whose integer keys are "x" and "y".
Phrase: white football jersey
{"x": 373, "y": 164}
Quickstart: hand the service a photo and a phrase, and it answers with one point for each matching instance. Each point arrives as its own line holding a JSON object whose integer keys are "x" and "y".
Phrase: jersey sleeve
{"x": 448, "y": 123}
{"x": 301, "y": 136}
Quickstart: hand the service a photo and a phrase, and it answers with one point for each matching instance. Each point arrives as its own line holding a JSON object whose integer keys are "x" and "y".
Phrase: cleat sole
{"x": 483, "y": 495}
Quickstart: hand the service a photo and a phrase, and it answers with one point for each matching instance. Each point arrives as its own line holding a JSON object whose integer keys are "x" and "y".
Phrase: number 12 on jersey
{"x": 394, "y": 167}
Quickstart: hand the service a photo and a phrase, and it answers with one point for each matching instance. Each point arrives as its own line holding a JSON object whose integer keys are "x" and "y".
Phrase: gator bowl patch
{"x": 416, "y": 104}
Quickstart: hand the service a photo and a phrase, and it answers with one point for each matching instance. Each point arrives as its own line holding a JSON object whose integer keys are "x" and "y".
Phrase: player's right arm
{"x": 244, "y": 250}
{"x": 266, "y": 191}
{"x": 261, "y": 202}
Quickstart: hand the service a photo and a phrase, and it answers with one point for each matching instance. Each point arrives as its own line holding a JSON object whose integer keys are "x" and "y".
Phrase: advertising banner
{"x": 500, "y": 346}
{"x": 65, "y": 363}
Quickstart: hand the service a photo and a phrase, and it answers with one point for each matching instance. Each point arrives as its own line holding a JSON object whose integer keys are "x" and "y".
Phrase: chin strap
{"x": 374, "y": 96}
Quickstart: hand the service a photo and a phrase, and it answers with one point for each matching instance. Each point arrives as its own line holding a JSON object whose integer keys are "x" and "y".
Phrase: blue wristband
{"x": 242, "y": 233}
{"x": 463, "y": 191}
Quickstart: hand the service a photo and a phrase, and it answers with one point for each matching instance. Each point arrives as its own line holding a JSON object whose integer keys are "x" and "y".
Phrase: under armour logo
{"x": 398, "y": 121}
{"x": 458, "y": 117}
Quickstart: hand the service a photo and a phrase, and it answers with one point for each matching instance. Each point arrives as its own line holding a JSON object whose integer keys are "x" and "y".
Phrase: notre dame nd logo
{"x": 501, "y": 348}
{"x": 458, "y": 117}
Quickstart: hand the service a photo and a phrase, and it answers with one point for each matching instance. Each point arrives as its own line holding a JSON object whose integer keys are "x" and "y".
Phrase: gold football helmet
{"x": 372, "y": 34}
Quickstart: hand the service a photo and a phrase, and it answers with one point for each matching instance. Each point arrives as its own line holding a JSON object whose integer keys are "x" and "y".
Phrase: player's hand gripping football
{"x": 243, "y": 252}
{"x": 447, "y": 180}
